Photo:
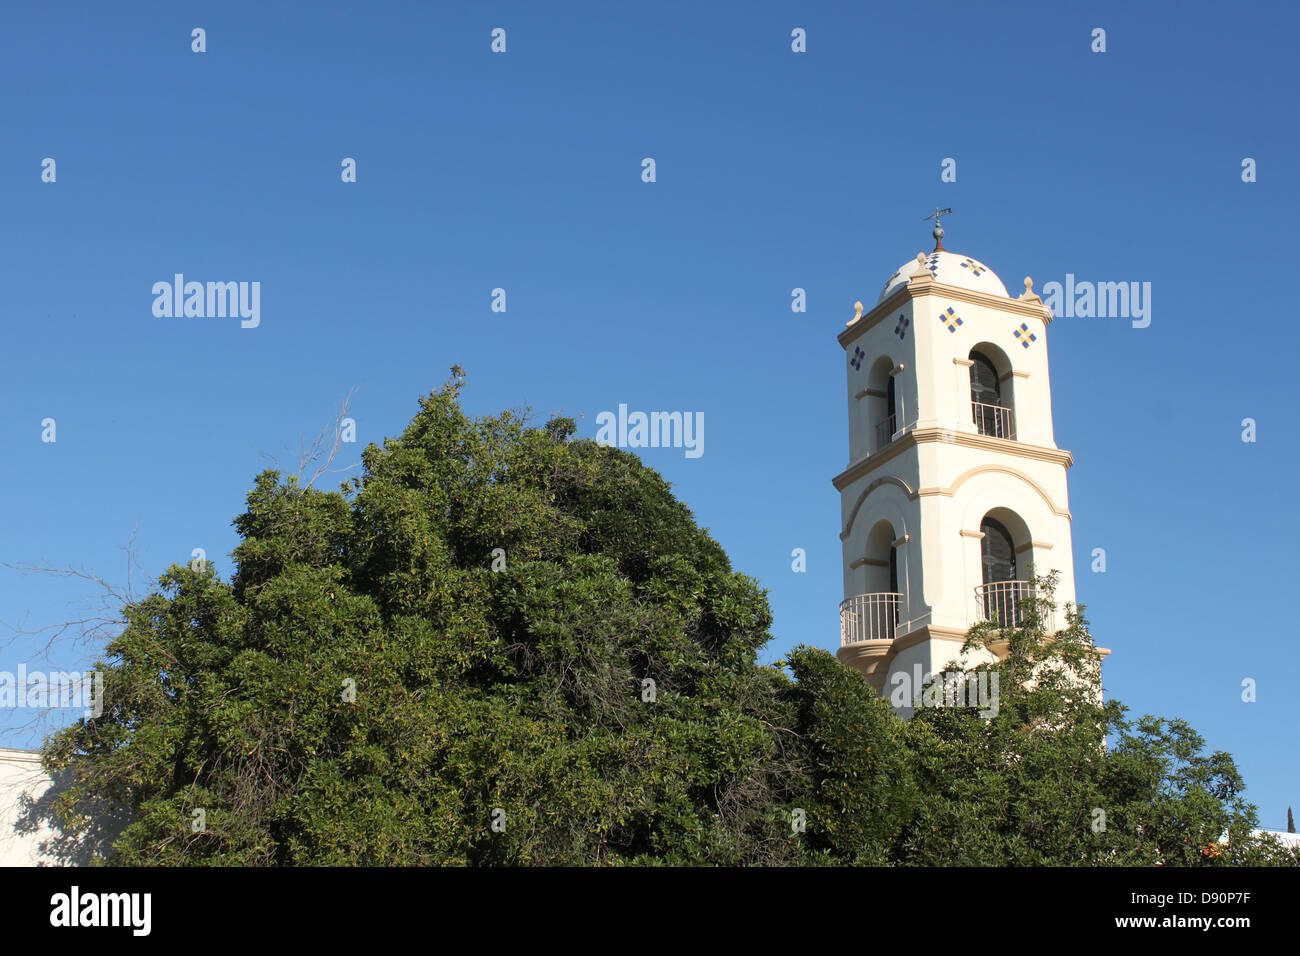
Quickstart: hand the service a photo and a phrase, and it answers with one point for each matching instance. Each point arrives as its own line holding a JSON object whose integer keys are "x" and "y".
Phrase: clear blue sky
{"x": 775, "y": 171}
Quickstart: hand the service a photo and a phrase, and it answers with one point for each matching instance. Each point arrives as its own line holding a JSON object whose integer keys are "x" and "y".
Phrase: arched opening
{"x": 879, "y": 560}
{"x": 991, "y": 409}
{"x": 1004, "y": 557}
{"x": 884, "y": 402}
{"x": 873, "y": 615}
{"x": 997, "y": 552}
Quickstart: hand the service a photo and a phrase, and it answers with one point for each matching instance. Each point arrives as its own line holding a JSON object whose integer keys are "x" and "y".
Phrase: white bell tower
{"x": 955, "y": 485}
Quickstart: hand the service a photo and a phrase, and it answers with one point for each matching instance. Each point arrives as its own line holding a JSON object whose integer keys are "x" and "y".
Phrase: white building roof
{"x": 950, "y": 268}
{"x": 1289, "y": 839}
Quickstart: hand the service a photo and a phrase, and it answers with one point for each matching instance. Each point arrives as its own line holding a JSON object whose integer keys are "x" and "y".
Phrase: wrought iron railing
{"x": 885, "y": 432}
{"x": 994, "y": 420}
{"x": 1004, "y": 603}
{"x": 869, "y": 617}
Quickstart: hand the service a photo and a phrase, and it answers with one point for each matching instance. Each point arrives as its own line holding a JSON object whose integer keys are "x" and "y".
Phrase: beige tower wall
{"x": 937, "y": 478}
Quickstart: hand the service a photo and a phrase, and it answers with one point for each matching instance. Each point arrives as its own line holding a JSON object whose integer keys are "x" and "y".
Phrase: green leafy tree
{"x": 369, "y": 689}
{"x": 1057, "y": 777}
{"x": 858, "y": 789}
{"x": 503, "y": 645}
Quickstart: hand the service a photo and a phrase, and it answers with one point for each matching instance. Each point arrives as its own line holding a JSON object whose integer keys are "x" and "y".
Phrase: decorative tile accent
{"x": 932, "y": 263}
{"x": 901, "y": 329}
{"x": 951, "y": 319}
{"x": 858, "y": 356}
{"x": 974, "y": 266}
{"x": 1024, "y": 336}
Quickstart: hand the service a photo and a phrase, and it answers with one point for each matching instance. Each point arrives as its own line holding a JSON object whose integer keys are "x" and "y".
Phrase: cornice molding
{"x": 873, "y": 318}
{"x": 874, "y": 659}
{"x": 917, "y": 287}
{"x": 28, "y": 758}
{"x": 1027, "y": 309}
{"x": 917, "y": 436}
{"x": 928, "y": 632}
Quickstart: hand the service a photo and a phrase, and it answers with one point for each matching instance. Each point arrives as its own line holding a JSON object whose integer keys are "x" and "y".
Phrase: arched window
{"x": 884, "y": 404}
{"x": 997, "y": 552}
{"x": 984, "y": 386}
{"x": 1002, "y": 591}
{"x": 873, "y": 614}
{"x": 992, "y": 415}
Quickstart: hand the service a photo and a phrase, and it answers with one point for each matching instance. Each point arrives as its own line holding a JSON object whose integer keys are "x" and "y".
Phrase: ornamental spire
{"x": 938, "y": 227}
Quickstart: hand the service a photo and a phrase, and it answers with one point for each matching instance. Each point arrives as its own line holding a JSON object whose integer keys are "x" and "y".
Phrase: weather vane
{"x": 938, "y": 226}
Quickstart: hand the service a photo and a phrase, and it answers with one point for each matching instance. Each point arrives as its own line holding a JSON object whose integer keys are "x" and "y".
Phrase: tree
{"x": 857, "y": 778}
{"x": 368, "y": 689}
{"x": 504, "y": 645}
{"x": 1058, "y": 777}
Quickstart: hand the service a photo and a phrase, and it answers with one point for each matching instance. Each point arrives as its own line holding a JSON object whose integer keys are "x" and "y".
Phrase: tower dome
{"x": 950, "y": 268}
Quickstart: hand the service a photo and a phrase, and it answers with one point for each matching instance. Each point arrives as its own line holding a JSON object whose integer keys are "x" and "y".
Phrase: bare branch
{"x": 100, "y": 618}
{"x": 322, "y": 450}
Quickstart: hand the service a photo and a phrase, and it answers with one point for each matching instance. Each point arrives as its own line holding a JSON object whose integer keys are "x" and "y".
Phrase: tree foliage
{"x": 502, "y": 645}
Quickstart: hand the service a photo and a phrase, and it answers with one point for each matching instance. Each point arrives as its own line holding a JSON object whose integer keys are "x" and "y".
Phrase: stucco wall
{"x": 936, "y": 481}
{"x": 28, "y": 834}
{"x": 23, "y": 785}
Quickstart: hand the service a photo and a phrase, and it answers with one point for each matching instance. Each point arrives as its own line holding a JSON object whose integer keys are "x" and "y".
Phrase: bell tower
{"x": 955, "y": 486}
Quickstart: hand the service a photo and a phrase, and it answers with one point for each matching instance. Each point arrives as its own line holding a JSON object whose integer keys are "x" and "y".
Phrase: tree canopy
{"x": 501, "y": 645}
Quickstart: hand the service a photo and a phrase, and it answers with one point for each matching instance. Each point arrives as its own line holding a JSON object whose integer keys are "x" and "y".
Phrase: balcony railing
{"x": 869, "y": 617}
{"x": 885, "y": 432}
{"x": 994, "y": 420}
{"x": 1001, "y": 602}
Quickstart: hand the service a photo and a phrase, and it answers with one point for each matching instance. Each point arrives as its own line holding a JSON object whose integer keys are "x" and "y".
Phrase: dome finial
{"x": 938, "y": 227}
